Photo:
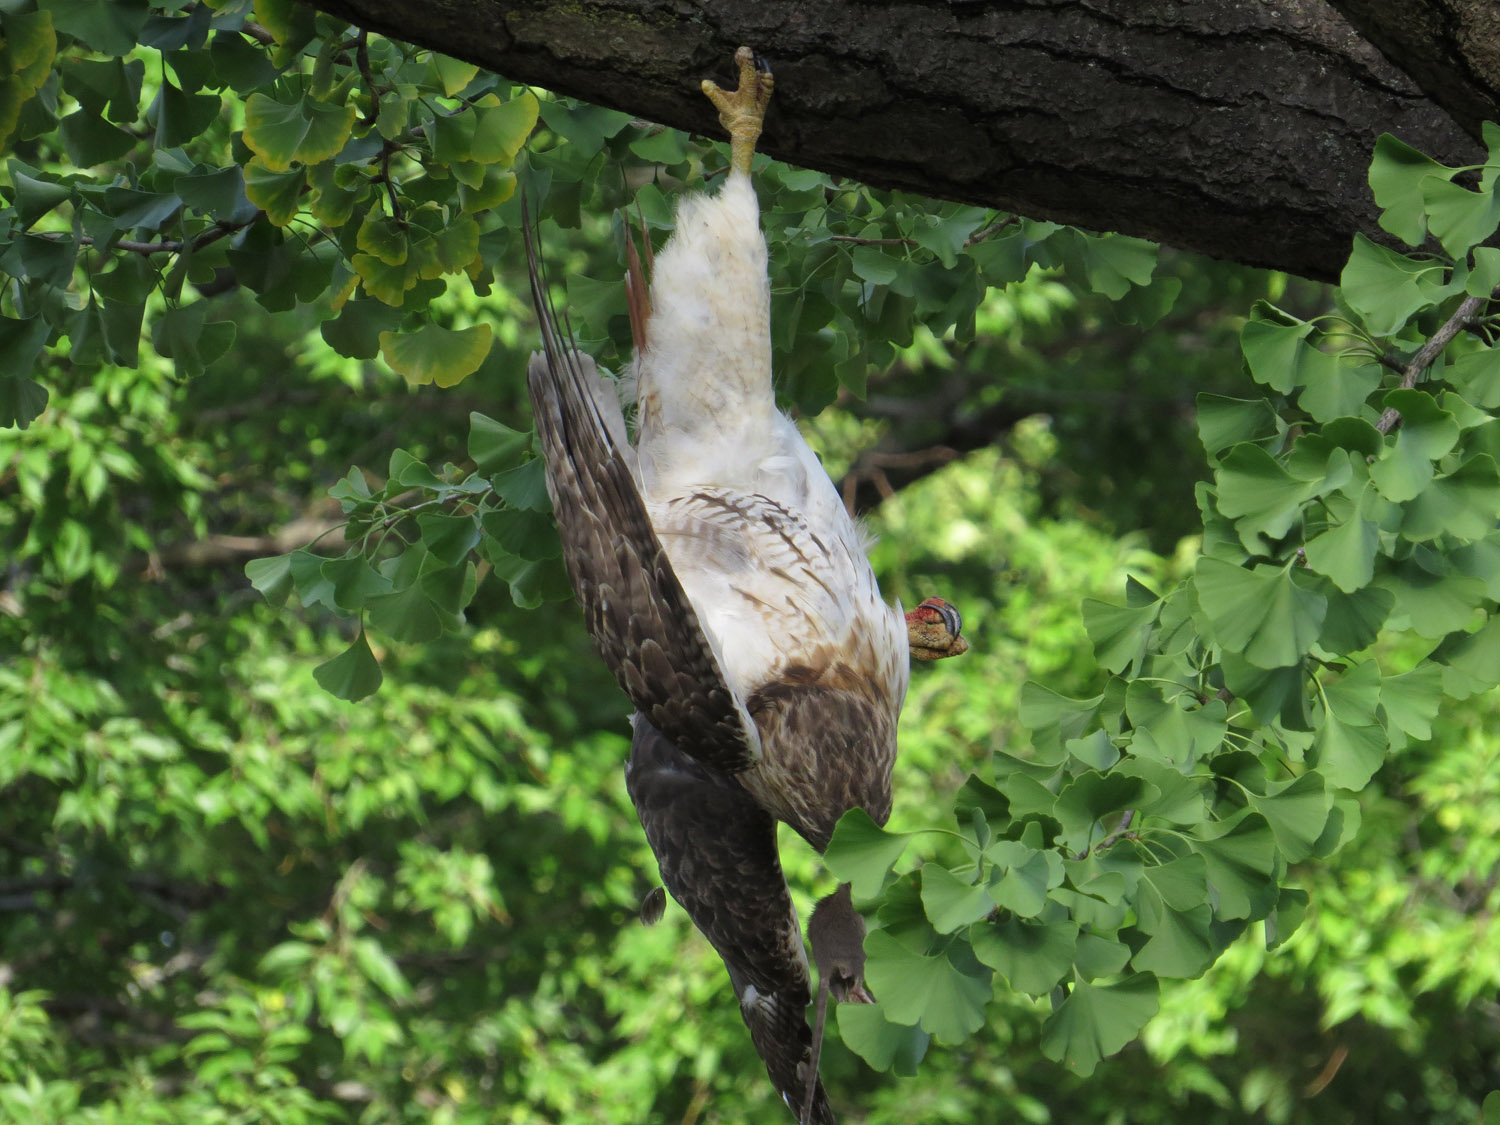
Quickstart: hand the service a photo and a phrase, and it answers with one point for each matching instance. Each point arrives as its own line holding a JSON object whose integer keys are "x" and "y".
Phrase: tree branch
{"x": 1238, "y": 130}
{"x": 1462, "y": 317}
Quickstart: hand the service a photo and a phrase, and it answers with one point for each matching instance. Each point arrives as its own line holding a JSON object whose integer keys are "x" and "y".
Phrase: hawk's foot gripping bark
{"x": 743, "y": 110}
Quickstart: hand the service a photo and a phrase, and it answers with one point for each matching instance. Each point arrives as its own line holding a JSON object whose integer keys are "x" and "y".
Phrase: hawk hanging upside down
{"x": 727, "y": 588}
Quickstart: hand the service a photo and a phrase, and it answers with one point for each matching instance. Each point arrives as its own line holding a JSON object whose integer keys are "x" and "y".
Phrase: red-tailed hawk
{"x": 728, "y": 589}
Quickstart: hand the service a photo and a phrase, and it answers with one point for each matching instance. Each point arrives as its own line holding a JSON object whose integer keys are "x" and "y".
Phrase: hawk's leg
{"x": 741, "y": 111}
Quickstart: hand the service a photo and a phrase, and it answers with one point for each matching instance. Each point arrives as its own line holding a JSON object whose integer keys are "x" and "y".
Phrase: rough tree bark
{"x": 1451, "y": 48}
{"x": 1238, "y": 128}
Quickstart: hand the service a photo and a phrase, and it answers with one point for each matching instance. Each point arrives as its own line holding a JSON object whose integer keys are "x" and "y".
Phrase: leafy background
{"x": 1212, "y": 789}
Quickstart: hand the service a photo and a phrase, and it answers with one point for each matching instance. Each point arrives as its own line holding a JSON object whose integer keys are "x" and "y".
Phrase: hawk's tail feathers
{"x": 778, "y": 1028}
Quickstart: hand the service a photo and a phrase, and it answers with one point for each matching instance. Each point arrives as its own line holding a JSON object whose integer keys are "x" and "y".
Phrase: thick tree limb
{"x": 1451, "y": 49}
{"x": 1238, "y": 128}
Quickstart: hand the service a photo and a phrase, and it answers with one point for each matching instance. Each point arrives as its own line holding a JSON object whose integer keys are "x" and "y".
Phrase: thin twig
{"x": 1461, "y": 318}
{"x": 167, "y": 246}
{"x": 259, "y": 33}
{"x": 362, "y": 62}
{"x": 1121, "y": 831}
{"x": 988, "y": 232}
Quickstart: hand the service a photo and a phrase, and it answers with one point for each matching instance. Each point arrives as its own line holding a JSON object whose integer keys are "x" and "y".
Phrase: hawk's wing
{"x": 717, "y": 851}
{"x": 634, "y": 606}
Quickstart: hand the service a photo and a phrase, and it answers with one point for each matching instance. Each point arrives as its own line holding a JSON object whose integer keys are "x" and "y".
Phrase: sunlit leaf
{"x": 306, "y": 131}
{"x": 434, "y": 354}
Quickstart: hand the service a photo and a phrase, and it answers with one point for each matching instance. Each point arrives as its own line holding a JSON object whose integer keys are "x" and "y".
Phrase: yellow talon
{"x": 741, "y": 111}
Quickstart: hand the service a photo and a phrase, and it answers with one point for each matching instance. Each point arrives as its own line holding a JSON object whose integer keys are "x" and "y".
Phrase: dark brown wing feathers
{"x": 717, "y": 851}
{"x": 640, "y": 618}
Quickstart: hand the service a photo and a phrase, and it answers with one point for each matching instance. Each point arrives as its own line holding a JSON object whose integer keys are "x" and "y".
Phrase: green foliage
{"x": 1162, "y": 816}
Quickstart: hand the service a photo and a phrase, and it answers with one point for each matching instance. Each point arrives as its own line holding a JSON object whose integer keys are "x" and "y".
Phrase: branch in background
{"x": 167, "y": 246}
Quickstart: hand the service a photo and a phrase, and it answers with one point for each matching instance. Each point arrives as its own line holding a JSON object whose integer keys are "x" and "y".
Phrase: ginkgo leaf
{"x": 1477, "y": 376}
{"x": 1434, "y": 604}
{"x": 1240, "y": 854}
{"x": 1096, "y": 1020}
{"x": 931, "y": 990}
{"x": 353, "y": 674}
{"x": 883, "y": 1044}
{"x": 1169, "y": 731}
{"x": 448, "y": 537}
{"x": 1411, "y": 700}
{"x": 384, "y": 237}
{"x": 1457, "y": 217}
{"x": 525, "y": 486}
{"x": 1261, "y": 613}
{"x": 406, "y": 615}
{"x": 1296, "y": 811}
{"x": 1396, "y": 177}
{"x": 524, "y": 533}
{"x": 1021, "y": 882}
{"x": 1031, "y": 956}
{"x": 1382, "y": 285}
{"x": 950, "y": 902}
{"x": 500, "y": 131}
{"x": 272, "y": 577}
{"x": 1355, "y": 695}
{"x": 306, "y": 131}
{"x": 1096, "y": 957}
{"x": 1180, "y": 943}
{"x": 1427, "y": 433}
{"x": 1092, "y": 796}
{"x": 1348, "y": 754}
{"x": 862, "y": 853}
{"x": 1346, "y": 553}
{"x": 354, "y": 580}
{"x": 1353, "y": 621}
{"x": 434, "y": 354}
{"x": 1264, "y": 497}
{"x": 1339, "y": 389}
{"x": 1275, "y": 347}
{"x": 1464, "y": 504}
{"x": 1118, "y": 632}
{"x": 494, "y": 445}
{"x": 1472, "y": 659}
{"x": 277, "y": 193}
{"x": 453, "y": 74}
{"x": 1224, "y": 422}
